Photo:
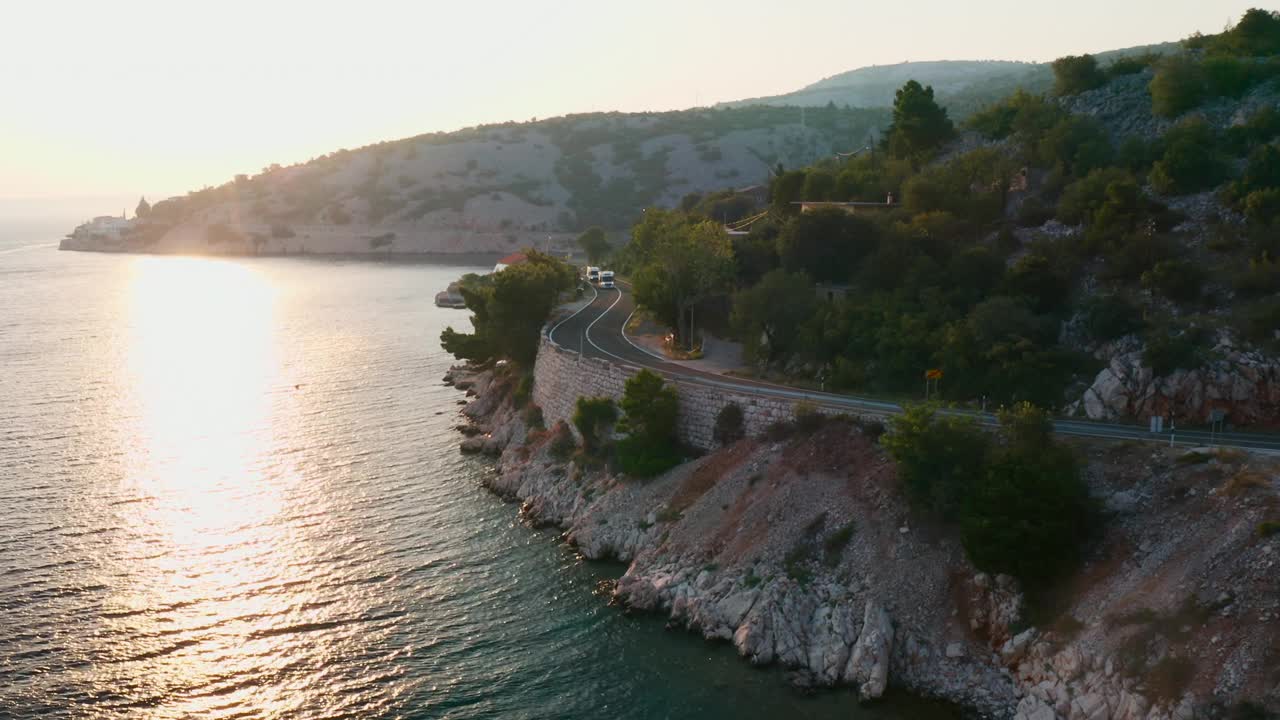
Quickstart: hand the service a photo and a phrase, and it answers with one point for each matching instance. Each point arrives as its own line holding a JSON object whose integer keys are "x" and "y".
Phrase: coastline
{"x": 737, "y": 545}
{"x": 461, "y": 259}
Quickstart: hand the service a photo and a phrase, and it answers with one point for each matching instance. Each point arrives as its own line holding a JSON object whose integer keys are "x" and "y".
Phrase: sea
{"x": 231, "y": 488}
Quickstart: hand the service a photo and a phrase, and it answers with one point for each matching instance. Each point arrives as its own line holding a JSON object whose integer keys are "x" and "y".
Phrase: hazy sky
{"x": 131, "y": 97}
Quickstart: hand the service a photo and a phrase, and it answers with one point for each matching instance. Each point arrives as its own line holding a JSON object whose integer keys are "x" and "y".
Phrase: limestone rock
{"x": 868, "y": 666}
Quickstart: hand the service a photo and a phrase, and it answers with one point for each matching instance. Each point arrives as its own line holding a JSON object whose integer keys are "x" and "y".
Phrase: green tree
{"x": 920, "y": 126}
{"x": 826, "y": 244}
{"x": 1262, "y": 207}
{"x": 818, "y": 185}
{"x": 1178, "y": 85}
{"x": 1029, "y": 514}
{"x": 768, "y": 317}
{"x": 509, "y": 309}
{"x": 593, "y": 417}
{"x": 650, "y": 409}
{"x": 1075, "y": 74}
{"x": 687, "y": 263}
{"x": 594, "y": 243}
{"x": 756, "y": 253}
{"x": 940, "y": 458}
{"x": 1191, "y": 160}
{"x": 1177, "y": 280}
{"x": 786, "y": 188}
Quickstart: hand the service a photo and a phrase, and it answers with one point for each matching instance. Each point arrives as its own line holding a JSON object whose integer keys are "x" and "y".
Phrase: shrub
{"x": 1262, "y": 207}
{"x": 1131, "y": 64}
{"x": 1029, "y": 514}
{"x": 1178, "y": 86}
{"x": 1267, "y": 528}
{"x": 1107, "y": 317}
{"x": 533, "y": 417}
{"x": 939, "y": 458}
{"x": 1258, "y": 129}
{"x": 1020, "y": 504}
{"x": 1034, "y": 212}
{"x": 592, "y": 417}
{"x": 1227, "y": 77}
{"x": 835, "y": 543}
{"x": 523, "y": 390}
{"x": 1076, "y": 74}
{"x": 638, "y": 458}
{"x": 1177, "y": 280}
{"x": 1190, "y": 162}
{"x": 1166, "y": 351}
{"x": 808, "y": 417}
{"x": 728, "y": 428}
{"x": 1084, "y": 197}
{"x": 1262, "y": 277}
{"x": 1261, "y": 173}
{"x": 562, "y": 443}
{"x": 1262, "y": 321}
{"x": 1137, "y": 253}
{"x": 650, "y": 409}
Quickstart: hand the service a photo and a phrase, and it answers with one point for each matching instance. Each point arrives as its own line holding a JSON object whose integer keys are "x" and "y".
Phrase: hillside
{"x": 1107, "y": 249}
{"x": 964, "y": 86}
{"x": 488, "y": 189}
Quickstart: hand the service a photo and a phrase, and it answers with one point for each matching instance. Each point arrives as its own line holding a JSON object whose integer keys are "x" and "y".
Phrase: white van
{"x": 593, "y": 275}
{"x": 606, "y": 278}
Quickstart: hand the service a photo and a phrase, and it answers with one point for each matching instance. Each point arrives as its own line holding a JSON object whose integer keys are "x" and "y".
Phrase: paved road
{"x": 597, "y": 331}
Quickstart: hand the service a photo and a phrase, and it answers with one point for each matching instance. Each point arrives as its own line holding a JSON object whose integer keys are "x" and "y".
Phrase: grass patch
{"x": 1267, "y": 528}
{"x": 1245, "y": 480}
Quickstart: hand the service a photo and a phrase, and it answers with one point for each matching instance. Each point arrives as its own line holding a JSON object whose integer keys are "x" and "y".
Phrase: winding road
{"x": 598, "y": 330}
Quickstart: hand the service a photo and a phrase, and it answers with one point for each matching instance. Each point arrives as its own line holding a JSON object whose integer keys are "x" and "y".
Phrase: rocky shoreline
{"x": 799, "y": 551}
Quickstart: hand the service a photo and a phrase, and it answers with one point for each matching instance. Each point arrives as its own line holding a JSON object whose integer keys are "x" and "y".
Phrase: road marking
{"x": 650, "y": 353}
{"x": 551, "y": 334}
{"x": 1078, "y": 428}
{"x": 593, "y": 324}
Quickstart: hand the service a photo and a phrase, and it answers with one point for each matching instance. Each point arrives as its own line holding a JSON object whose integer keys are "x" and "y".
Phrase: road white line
{"x": 593, "y": 324}
{"x": 885, "y": 409}
{"x": 630, "y": 342}
{"x": 551, "y": 334}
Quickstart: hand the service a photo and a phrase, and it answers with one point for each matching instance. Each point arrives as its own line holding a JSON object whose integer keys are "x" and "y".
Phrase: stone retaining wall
{"x": 561, "y": 376}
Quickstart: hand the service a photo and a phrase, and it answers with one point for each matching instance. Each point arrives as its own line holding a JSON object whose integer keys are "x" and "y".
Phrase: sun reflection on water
{"x": 210, "y": 393}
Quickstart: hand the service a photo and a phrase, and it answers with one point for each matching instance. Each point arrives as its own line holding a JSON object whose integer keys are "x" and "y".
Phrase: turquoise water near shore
{"x": 231, "y": 489}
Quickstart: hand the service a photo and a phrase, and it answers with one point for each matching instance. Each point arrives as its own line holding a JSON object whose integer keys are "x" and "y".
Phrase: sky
{"x": 107, "y": 100}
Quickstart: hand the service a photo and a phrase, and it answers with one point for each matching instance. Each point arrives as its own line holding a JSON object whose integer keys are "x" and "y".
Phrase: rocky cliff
{"x": 799, "y": 550}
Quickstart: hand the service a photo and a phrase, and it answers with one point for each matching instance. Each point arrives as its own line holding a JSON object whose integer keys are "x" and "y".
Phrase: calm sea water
{"x": 230, "y": 489}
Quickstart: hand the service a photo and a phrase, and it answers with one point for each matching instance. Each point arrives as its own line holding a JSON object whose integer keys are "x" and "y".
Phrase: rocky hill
{"x": 964, "y": 86}
{"x": 488, "y": 189}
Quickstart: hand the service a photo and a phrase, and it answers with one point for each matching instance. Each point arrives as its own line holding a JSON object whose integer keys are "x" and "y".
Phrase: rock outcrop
{"x": 800, "y": 553}
{"x": 1245, "y": 385}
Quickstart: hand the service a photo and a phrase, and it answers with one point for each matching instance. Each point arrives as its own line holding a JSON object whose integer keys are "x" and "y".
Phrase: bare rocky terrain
{"x": 801, "y": 551}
